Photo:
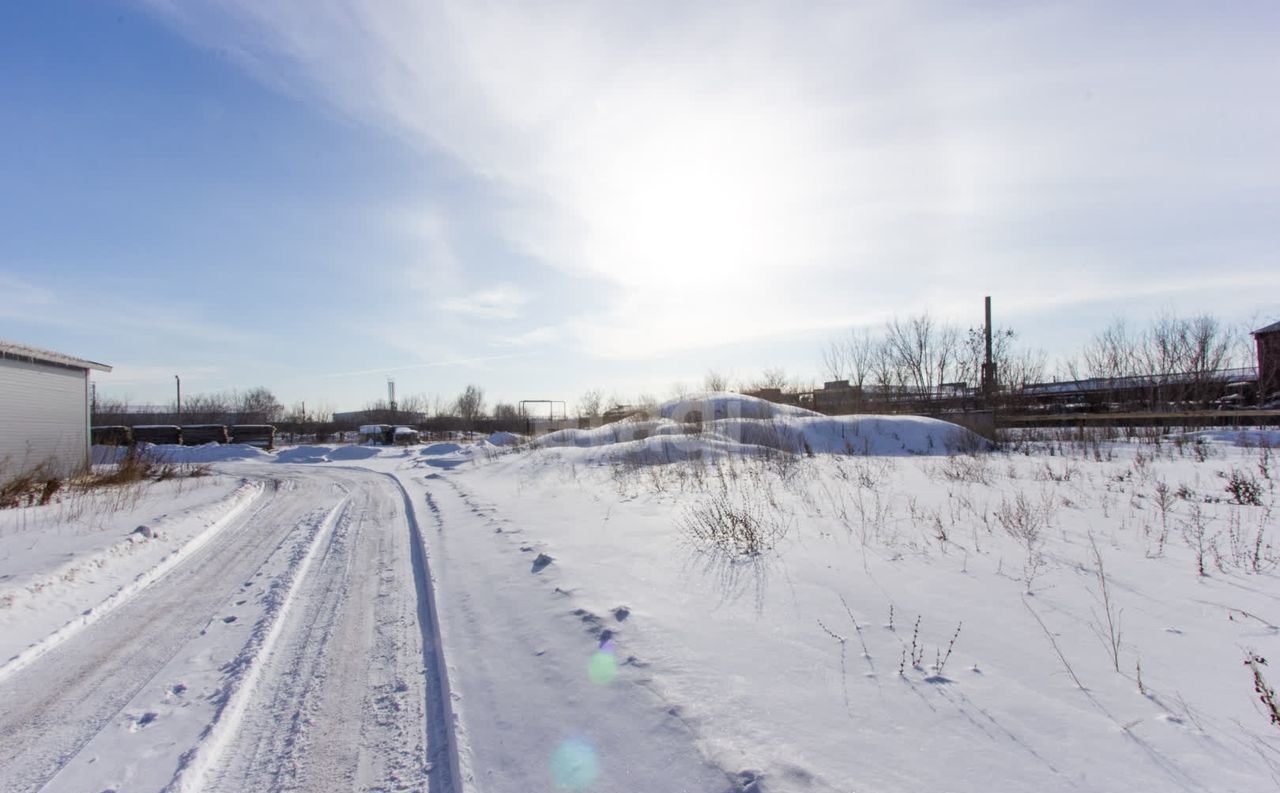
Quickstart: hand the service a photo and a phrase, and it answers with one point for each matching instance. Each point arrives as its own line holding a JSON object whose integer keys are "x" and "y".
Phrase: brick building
{"x": 1268, "y": 340}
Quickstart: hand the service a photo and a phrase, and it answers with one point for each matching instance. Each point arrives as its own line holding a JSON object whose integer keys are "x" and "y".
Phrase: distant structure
{"x": 353, "y": 418}
{"x": 44, "y": 410}
{"x": 1268, "y": 341}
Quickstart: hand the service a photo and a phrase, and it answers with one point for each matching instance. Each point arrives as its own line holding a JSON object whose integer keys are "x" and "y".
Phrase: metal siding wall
{"x": 43, "y": 417}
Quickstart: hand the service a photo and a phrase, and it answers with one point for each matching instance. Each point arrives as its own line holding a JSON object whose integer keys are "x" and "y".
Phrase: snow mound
{"x": 303, "y": 454}
{"x": 205, "y": 453}
{"x": 439, "y": 448}
{"x": 502, "y": 438}
{"x": 726, "y": 405}
{"x": 354, "y": 452}
{"x": 722, "y": 423}
{"x": 326, "y": 454}
{"x": 451, "y": 455}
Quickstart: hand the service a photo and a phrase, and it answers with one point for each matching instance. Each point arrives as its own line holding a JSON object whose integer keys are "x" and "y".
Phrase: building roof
{"x": 1274, "y": 327}
{"x": 9, "y": 349}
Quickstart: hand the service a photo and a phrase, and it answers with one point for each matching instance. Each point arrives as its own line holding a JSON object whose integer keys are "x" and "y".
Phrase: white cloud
{"x": 21, "y": 297}
{"x": 129, "y": 374}
{"x": 503, "y": 301}
{"x": 738, "y": 172}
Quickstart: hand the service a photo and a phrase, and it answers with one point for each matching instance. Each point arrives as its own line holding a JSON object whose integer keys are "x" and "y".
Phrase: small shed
{"x": 44, "y": 410}
{"x": 405, "y": 436}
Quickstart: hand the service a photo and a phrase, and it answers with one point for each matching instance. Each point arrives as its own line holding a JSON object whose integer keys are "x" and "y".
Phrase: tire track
{"x": 54, "y": 708}
{"x": 197, "y": 765}
{"x": 240, "y": 500}
{"x": 441, "y": 732}
{"x": 340, "y": 704}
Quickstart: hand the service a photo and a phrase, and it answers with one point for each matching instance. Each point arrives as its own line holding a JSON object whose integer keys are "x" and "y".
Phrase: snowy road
{"x": 292, "y": 651}
{"x": 549, "y": 695}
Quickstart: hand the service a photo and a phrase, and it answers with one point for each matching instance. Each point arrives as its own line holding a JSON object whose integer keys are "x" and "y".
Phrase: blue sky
{"x": 544, "y": 198}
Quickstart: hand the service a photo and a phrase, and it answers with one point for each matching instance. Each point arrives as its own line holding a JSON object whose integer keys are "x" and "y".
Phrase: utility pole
{"x": 178, "y": 382}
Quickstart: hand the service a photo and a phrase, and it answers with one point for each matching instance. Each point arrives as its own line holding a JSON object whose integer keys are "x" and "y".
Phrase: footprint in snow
{"x": 747, "y": 781}
{"x": 143, "y": 721}
{"x": 230, "y": 619}
{"x": 540, "y": 563}
{"x": 621, "y": 613}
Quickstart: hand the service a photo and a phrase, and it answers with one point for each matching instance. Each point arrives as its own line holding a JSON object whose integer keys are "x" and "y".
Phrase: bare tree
{"x": 109, "y": 411}
{"x": 922, "y": 353}
{"x": 589, "y": 404}
{"x": 208, "y": 408}
{"x": 715, "y": 381}
{"x": 258, "y": 406}
{"x": 506, "y": 410}
{"x": 1112, "y": 352}
{"x": 1184, "y": 352}
{"x": 470, "y": 404}
{"x": 775, "y": 377}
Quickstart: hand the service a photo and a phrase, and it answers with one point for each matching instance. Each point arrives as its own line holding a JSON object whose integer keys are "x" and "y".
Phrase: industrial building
{"x": 44, "y": 410}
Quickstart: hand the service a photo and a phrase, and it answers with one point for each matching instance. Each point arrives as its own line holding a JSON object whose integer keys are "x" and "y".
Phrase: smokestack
{"x": 989, "y": 365}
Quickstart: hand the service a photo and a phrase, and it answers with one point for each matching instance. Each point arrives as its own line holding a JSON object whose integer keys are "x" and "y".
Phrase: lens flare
{"x": 574, "y": 765}
{"x": 603, "y": 667}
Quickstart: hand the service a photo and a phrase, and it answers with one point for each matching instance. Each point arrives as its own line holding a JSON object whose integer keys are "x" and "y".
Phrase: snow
{"x": 1236, "y": 437}
{"x": 666, "y": 440}
{"x": 735, "y": 646}
{"x": 580, "y": 612}
{"x": 68, "y": 564}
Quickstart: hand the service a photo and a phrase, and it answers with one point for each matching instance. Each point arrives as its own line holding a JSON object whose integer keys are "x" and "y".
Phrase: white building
{"x": 44, "y": 410}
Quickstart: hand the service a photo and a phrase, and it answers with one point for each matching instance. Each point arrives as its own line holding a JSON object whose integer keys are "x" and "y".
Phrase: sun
{"x": 695, "y": 198}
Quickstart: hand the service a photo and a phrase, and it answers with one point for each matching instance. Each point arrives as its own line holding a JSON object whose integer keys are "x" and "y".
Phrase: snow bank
{"x": 727, "y": 405}
{"x": 501, "y": 438}
{"x": 325, "y": 454}
{"x": 50, "y": 604}
{"x": 451, "y": 455}
{"x": 440, "y": 448}
{"x": 171, "y": 453}
{"x": 1236, "y": 437}
{"x": 735, "y": 424}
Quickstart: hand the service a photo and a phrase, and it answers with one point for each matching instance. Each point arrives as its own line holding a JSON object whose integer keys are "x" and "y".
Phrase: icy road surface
{"x": 298, "y": 648}
{"x": 293, "y": 650}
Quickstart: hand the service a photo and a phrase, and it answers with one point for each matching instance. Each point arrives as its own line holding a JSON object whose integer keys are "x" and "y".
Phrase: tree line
{"x": 922, "y": 354}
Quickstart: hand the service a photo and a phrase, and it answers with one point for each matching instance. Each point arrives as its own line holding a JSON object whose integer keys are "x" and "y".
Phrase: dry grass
{"x": 36, "y": 486}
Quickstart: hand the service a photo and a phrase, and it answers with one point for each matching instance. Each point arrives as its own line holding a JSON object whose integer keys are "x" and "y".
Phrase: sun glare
{"x": 694, "y": 200}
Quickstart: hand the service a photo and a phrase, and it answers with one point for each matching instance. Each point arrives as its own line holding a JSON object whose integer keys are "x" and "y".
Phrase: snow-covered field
{"x": 724, "y": 596}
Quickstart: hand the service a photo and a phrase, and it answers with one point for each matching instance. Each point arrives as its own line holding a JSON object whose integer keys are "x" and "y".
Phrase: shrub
{"x": 736, "y": 528}
{"x": 25, "y": 488}
{"x": 1244, "y": 489}
{"x": 1025, "y": 524}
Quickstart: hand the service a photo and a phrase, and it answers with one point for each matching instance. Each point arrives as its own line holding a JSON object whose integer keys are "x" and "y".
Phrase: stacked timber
{"x": 113, "y": 435}
{"x": 260, "y": 435}
{"x": 197, "y": 434}
{"x": 157, "y": 433}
